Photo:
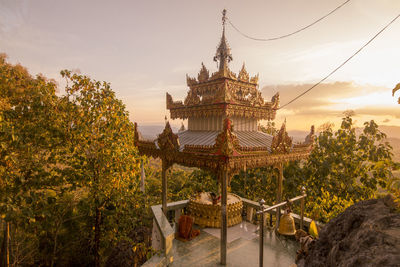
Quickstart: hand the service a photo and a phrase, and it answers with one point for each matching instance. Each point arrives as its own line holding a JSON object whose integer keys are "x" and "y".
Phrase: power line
{"x": 341, "y": 65}
{"x": 289, "y": 34}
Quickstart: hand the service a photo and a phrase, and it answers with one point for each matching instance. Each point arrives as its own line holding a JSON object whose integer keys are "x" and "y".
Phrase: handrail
{"x": 276, "y": 206}
{"x": 280, "y": 204}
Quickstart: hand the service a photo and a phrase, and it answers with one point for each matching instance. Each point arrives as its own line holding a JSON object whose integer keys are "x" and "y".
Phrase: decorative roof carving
{"x": 282, "y": 143}
{"x": 171, "y": 103}
{"x": 254, "y": 79}
{"x": 222, "y": 92}
{"x": 243, "y": 74}
{"x": 192, "y": 99}
{"x": 227, "y": 142}
{"x": 168, "y": 141}
{"x": 275, "y": 101}
{"x": 203, "y": 75}
{"x": 264, "y": 112}
{"x": 190, "y": 81}
{"x": 207, "y": 157}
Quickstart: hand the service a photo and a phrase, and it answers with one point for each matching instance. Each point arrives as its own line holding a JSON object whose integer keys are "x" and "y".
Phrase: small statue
{"x": 214, "y": 198}
{"x": 306, "y": 242}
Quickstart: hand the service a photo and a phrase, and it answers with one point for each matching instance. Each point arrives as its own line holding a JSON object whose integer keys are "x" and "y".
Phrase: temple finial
{"x": 223, "y": 18}
{"x": 223, "y": 54}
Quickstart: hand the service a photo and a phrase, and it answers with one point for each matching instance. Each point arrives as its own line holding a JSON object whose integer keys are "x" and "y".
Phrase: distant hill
{"x": 297, "y": 135}
{"x": 390, "y": 131}
{"x": 151, "y": 132}
{"x": 395, "y": 143}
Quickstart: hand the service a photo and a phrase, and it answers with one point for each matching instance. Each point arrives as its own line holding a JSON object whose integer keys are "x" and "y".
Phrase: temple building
{"x": 223, "y": 110}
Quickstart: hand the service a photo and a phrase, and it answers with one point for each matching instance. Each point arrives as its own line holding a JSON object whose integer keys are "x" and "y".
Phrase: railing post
{"x": 279, "y": 194}
{"x": 262, "y": 202}
{"x": 303, "y": 192}
{"x": 270, "y": 220}
{"x": 224, "y": 218}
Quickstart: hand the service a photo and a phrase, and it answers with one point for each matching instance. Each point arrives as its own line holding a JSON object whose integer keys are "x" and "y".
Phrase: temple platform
{"x": 242, "y": 240}
{"x": 242, "y": 248}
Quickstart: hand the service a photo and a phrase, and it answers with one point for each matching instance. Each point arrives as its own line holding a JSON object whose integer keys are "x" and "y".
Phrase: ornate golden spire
{"x": 223, "y": 54}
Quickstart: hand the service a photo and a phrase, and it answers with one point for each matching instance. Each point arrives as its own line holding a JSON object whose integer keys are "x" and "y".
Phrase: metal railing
{"x": 277, "y": 206}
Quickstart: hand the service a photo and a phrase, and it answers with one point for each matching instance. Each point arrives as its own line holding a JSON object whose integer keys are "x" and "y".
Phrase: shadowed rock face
{"x": 365, "y": 234}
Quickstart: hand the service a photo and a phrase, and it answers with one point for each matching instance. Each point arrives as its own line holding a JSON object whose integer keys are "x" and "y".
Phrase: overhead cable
{"x": 289, "y": 34}
{"x": 341, "y": 65}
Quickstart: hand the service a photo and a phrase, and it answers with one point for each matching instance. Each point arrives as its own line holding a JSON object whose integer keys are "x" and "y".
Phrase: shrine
{"x": 222, "y": 136}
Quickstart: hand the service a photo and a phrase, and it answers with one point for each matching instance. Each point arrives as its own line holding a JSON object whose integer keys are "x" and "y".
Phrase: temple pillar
{"x": 224, "y": 219}
{"x": 279, "y": 192}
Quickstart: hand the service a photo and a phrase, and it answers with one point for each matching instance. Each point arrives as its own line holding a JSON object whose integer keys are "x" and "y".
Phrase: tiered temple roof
{"x": 223, "y": 110}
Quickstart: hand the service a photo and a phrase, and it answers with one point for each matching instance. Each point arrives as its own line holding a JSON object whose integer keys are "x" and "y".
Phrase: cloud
{"x": 328, "y": 101}
{"x": 379, "y": 111}
{"x": 322, "y": 98}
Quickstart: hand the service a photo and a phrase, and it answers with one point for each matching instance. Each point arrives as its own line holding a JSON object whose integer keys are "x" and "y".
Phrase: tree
{"x": 31, "y": 149}
{"x": 69, "y": 172}
{"x": 103, "y": 158}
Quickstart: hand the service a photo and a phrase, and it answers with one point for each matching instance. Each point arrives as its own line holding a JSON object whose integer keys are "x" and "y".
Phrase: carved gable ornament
{"x": 168, "y": 141}
{"x": 281, "y": 143}
{"x": 226, "y": 142}
{"x": 203, "y": 75}
{"x": 275, "y": 101}
{"x": 190, "y": 81}
{"x": 243, "y": 74}
{"x": 192, "y": 99}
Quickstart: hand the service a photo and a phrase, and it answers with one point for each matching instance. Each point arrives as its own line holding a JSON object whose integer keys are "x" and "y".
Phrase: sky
{"x": 146, "y": 48}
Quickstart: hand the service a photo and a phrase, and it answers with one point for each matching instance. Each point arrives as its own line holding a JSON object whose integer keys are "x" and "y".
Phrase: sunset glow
{"x": 145, "y": 49}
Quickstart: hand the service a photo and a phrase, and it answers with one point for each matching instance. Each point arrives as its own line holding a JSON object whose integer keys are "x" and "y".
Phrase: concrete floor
{"x": 243, "y": 248}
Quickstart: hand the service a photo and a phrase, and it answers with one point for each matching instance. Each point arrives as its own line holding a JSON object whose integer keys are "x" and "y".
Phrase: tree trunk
{"x": 5, "y": 247}
{"x": 53, "y": 255}
{"x": 97, "y": 238}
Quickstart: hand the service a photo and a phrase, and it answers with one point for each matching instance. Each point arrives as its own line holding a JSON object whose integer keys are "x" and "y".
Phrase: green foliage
{"x": 182, "y": 184}
{"x": 31, "y": 159}
{"x": 30, "y": 142}
{"x": 342, "y": 169}
{"x": 328, "y": 205}
{"x": 255, "y": 184}
{"x": 104, "y": 159}
{"x": 70, "y": 171}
